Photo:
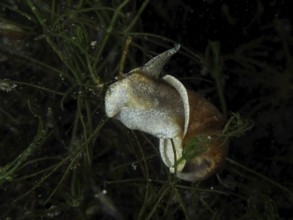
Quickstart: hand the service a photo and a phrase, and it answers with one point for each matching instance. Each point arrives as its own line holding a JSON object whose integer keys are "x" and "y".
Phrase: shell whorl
{"x": 164, "y": 108}
{"x": 201, "y": 118}
{"x": 206, "y": 121}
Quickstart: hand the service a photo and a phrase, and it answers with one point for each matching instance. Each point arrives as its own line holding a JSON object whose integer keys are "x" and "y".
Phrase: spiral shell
{"x": 164, "y": 108}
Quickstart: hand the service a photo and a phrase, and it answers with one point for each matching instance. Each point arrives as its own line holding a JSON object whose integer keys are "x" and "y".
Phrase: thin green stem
{"x": 262, "y": 177}
{"x": 216, "y": 72}
{"x": 38, "y": 87}
{"x": 135, "y": 19}
{"x": 85, "y": 133}
{"x": 110, "y": 29}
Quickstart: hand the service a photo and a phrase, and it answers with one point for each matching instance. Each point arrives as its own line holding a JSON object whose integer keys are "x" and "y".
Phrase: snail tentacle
{"x": 164, "y": 108}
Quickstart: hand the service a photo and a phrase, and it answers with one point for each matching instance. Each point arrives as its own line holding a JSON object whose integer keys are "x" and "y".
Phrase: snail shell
{"x": 164, "y": 108}
{"x": 201, "y": 119}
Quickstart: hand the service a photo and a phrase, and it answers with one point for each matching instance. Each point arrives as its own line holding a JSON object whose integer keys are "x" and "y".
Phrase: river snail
{"x": 188, "y": 126}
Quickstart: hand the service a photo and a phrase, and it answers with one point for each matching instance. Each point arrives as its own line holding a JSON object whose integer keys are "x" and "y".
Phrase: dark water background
{"x": 60, "y": 158}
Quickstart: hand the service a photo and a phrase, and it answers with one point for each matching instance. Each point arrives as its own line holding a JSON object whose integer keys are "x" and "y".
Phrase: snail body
{"x": 141, "y": 100}
{"x": 164, "y": 108}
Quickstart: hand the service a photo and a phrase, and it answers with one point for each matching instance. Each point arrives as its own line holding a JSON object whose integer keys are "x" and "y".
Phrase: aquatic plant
{"x": 61, "y": 157}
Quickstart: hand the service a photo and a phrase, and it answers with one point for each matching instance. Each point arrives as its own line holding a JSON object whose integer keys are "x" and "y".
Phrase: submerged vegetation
{"x": 61, "y": 158}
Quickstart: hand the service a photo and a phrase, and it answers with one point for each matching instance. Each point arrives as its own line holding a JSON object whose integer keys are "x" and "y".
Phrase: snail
{"x": 188, "y": 125}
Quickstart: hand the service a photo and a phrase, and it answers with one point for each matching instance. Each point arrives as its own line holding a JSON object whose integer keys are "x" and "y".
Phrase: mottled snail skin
{"x": 164, "y": 108}
{"x": 143, "y": 101}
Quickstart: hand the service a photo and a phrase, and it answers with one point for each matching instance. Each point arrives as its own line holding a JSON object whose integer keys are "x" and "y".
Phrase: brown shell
{"x": 202, "y": 118}
{"x": 205, "y": 119}
{"x": 164, "y": 108}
